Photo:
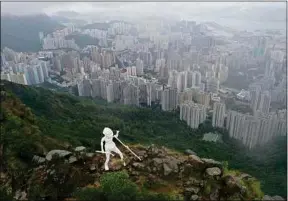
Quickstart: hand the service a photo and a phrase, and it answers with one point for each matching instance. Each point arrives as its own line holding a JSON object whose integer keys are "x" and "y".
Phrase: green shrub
{"x": 118, "y": 186}
{"x": 254, "y": 189}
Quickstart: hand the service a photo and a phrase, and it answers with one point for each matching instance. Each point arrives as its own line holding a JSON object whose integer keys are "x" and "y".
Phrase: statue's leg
{"x": 107, "y": 160}
{"x": 116, "y": 150}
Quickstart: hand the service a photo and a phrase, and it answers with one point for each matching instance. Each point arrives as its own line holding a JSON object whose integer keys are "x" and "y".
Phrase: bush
{"x": 118, "y": 186}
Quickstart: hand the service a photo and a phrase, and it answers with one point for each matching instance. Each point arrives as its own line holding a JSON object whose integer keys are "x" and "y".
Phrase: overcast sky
{"x": 24, "y": 8}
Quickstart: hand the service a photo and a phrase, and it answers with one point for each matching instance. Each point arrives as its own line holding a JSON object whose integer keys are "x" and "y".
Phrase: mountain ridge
{"x": 21, "y": 33}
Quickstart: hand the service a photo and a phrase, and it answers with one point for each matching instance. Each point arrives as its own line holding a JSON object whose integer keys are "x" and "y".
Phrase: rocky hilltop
{"x": 161, "y": 170}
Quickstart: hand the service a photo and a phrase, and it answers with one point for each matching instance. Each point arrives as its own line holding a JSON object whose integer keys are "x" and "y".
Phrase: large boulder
{"x": 214, "y": 171}
{"x": 59, "y": 153}
{"x": 80, "y": 149}
{"x": 170, "y": 165}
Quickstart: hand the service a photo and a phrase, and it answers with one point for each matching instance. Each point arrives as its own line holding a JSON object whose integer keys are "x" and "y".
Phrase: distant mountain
{"x": 21, "y": 33}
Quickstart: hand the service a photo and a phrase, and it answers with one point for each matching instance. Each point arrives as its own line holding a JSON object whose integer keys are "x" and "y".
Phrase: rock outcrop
{"x": 196, "y": 178}
{"x": 192, "y": 177}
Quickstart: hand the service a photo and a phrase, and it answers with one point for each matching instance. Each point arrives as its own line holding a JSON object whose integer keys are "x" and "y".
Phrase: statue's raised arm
{"x": 117, "y": 134}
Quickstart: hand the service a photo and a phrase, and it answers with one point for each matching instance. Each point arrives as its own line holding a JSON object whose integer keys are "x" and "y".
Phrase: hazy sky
{"x": 23, "y": 8}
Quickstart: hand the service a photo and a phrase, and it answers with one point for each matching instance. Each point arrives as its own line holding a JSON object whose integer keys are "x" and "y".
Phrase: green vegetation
{"x": 253, "y": 187}
{"x": 80, "y": 121}
{"x": 118, "y": 186}
{"x": 21, "y": 33}
{"x": 83, "y": 40}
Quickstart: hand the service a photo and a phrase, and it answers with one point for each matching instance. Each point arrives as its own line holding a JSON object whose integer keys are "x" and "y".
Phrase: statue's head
{"x": 108, "y": 132}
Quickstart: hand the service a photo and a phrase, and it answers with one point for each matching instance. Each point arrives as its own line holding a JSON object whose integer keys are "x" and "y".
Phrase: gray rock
{"x": 212, "y": 163}
{"x": 267, "y": 197}
{"x": 167, "y": 169}
{"x": 157, "y": 161}
{"x": 142, "y": 154}
{"x": 194, "y": 197}
{"x": 80, "y": 148}
{"x": 172, "y": 163}
{"x": 90, "y": 155}
{"x": 193, "y": 190}
{"x": 139, "y": 166}
{"x": 190, "y": 152}
{"x": 20, "y": 195}
{"x": 215, "y": 171}
{"x": 194, "y": 181}
{"x": 72, "y": 159}
{"x": 60, "y": 153}
{"x": 277, "y": 197}
{"x": 38, "y": 159}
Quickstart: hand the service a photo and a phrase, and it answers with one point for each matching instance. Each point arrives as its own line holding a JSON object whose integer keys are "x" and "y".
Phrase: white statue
{"x": 110, "y": 146}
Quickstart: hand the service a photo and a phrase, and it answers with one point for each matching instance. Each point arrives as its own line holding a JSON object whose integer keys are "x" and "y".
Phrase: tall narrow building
{"x": 254, "y": 94}
{"x": 218, "y": 115}
{"x": 169, "y": 99}
{"x": 235, "y": 124}
{"x": 264, "y": 102}
{"x": 251, "y": 131}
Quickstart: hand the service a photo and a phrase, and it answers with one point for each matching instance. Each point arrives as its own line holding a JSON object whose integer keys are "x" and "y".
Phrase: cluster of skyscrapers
{"x": 178, "y": 65}
{"x": 253, "y": 130}
{"x": 24, "y": 70}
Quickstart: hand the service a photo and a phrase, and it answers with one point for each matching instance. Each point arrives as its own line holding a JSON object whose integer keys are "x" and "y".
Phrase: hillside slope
{"x": 21, "y": 33}
{"x": 80, "y": 122}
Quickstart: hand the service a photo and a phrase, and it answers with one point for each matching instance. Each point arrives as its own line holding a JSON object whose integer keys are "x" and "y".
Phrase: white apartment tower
{"x": 218, "y": 115}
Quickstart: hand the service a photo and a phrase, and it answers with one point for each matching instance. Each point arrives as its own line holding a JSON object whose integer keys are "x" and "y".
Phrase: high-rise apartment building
{"x": 194, "y": 114}
{"x": 218, "y": 115}
{"x": 169, "y": 99}
{"x": 235, "y": 124}
{"x": 264, "y": 102}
